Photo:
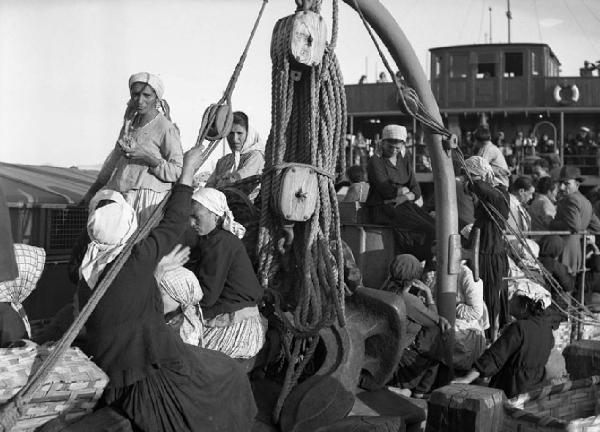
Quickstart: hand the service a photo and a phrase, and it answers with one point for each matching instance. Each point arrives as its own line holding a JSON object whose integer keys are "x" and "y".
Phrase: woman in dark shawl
{"x": 516, "y": 361}
{"x": 157, "y": 381}
{"x": 491, "y": 212}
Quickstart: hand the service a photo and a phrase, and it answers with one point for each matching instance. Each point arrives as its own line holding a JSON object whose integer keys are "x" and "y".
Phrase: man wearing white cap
{"x": 394, "y": 189}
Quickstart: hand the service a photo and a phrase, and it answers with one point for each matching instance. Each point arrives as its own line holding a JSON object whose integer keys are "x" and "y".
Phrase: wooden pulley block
{"x": 309, "y": 38}
{"x": 298, "y": 193}
{"x": 222, "y": 122}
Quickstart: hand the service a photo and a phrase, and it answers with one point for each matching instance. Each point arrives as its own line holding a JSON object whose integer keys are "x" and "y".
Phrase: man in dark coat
{"x": 573, "y": 213}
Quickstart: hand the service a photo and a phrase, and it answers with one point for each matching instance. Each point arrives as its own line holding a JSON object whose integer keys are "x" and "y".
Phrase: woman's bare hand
{"x": 174, "y": 259}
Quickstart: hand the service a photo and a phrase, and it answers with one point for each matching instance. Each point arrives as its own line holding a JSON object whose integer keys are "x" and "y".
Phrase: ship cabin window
{"x": 438, "y": 66}
{"x": 513, "y": 65}
{"x": 486, "y": 70}
{"x": 535, "y": 67}
{"x": 459, "y": 66}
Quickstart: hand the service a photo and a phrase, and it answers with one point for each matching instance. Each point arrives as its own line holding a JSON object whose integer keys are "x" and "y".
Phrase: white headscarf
{"x": 530, "y": 289}
{"x": 30, "y": 262}
{"x": 182, "y": 286}
{"x": 109, "y": 228}
{"x": 251, "y": 143}
{"x": 476, "y": 165}
{"x": 216, "y": 203}
{"x": 152, "y": 80}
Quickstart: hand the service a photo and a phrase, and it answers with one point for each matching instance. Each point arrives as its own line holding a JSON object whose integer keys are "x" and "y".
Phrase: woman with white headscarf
{"x": 232, "y": 323}
{"x": 246, "y": 159}
{"x": 516, "y": 361}
{"x": 147, "y": 157}
{"x": 491, "y": 212}
{"x": 157, "y": 381}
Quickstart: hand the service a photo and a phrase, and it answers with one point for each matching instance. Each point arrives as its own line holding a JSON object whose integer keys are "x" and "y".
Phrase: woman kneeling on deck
{"x": 418, "y": 366}
{"x": 232, "y": 323}
{"x": 159, "y": 382}
{"x": 516, "y": 361}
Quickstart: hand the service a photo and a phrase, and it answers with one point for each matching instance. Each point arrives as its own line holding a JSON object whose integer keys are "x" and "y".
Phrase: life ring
{"x": 566, "y": 101}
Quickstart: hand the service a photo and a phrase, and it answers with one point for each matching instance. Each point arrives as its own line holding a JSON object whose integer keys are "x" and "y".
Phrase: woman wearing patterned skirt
{"x": 232, "y": 323}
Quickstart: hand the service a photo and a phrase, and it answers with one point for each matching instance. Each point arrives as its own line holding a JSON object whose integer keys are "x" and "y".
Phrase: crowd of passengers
{"x": 182, "y": 314}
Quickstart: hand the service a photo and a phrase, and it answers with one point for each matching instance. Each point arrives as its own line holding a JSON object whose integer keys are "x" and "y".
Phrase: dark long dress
{"x": 516, "y": 361}
{"x": 159, "y": 382}
{"x": 385, "y": 179}
{"x": 493, "y": 252}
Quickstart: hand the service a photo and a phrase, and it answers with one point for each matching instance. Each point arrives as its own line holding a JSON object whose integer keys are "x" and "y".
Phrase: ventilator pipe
{"x": 400, "y": 49}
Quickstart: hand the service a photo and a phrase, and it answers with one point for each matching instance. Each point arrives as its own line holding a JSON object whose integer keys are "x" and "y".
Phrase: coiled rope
{"x": 308, "y": 125}
{"x": 11, "y": 410}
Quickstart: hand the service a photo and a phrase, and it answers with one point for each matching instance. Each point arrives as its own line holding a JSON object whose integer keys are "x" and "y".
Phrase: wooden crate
{"x": 71, "y": 389}
{"x": 571, "y": 406}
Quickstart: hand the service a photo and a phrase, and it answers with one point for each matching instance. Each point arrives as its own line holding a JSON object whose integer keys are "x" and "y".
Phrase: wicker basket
{"x": 562, "y": 335}
{"x": 571, "y": 406}
{"x": 71, "y": 389}
{"x": 590, "y": 330}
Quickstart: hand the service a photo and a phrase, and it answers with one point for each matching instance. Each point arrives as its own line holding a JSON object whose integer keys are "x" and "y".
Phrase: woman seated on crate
{"x": 14, "y": 324}
{"x": 246, "y": 159}
{"x": 516, "y": 360}
{"x": 157, "y": 381}
{"x": 232, "y": 322}
{"x": 394, "y": 190}
{"x": 147, "y": 157}
{"x": 417, "y": 370}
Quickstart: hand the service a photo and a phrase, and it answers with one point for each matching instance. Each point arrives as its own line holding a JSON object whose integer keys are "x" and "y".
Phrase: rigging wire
{"x": 462, "y": 29}
{"x": 481, "y": 20}
{"x": 537, "y": 19}
{"x": 581, "y": 28}
{"x": 591, "y": 11}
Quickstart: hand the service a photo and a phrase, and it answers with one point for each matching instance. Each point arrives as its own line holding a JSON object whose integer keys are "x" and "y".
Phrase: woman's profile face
{"x": 237, "y": 137}
{"x": 202, "y": 219}
{"x": 143, "y": 98}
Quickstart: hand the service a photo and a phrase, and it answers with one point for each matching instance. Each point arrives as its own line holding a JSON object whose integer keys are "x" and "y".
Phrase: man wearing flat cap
{"x": 574, "y": 213}
{"x": 394, "y": 190}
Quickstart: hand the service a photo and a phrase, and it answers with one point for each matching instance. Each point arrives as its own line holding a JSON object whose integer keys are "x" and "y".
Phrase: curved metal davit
{"x": 400, "y": 49}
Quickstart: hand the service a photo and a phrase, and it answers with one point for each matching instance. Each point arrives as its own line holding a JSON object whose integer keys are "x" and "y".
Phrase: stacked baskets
{"x": 571, "y": 406}
{"x": 71, "y": 390}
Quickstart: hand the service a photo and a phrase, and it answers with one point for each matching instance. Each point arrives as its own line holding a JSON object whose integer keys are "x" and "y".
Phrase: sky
{"x": 64, "y": 64}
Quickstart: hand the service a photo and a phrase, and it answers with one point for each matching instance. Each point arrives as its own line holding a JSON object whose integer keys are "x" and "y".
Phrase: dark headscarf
{"x": 551, "y": 246}
{"x": 405, "y": 268}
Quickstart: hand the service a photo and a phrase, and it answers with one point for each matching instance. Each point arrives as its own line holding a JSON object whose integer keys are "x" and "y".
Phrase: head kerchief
{"x": 109, "y": 228}
{"x": 216, "y": 202}
{"x": 182, "y": 286}
{"x": 532, "y": 290}
{"x": 30, "y": 262}
{"x": 405, "y": 267}
{"x": 152, "y": 80}
{"x": 478, "y": 166}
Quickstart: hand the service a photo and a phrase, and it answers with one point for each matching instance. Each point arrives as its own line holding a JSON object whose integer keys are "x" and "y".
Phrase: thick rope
{"x": 308, "y": 126}
{"x": 11, "y": 410}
